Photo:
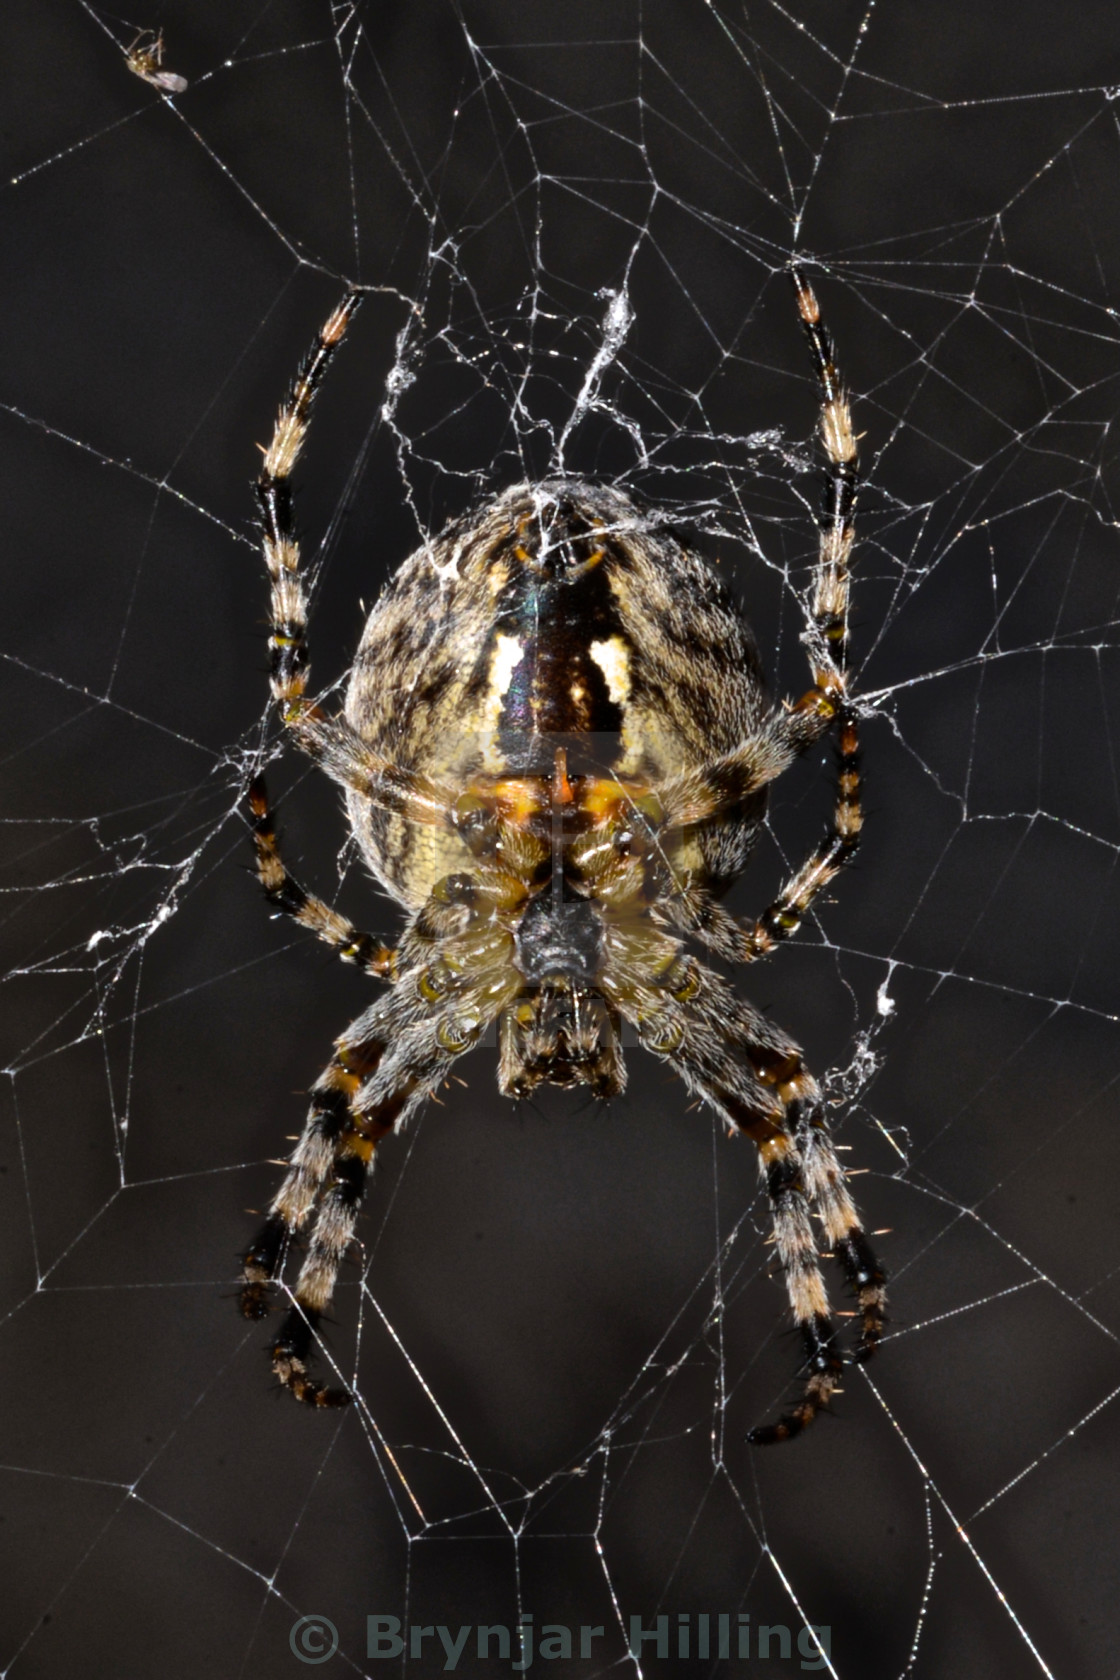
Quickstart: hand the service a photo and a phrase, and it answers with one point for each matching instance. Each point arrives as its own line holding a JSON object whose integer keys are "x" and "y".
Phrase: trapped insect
{"x": 556, "y": 749}
{"x": 145, "y": 59}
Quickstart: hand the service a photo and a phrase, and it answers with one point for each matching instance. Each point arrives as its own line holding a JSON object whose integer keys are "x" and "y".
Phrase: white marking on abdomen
{"x": 613, "y": 659}
{"x": 507, "y": 657}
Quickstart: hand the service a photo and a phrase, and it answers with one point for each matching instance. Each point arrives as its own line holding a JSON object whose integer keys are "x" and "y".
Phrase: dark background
{"x": 565, "y": 1328}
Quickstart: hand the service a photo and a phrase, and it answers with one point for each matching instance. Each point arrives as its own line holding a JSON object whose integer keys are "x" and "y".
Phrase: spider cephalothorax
{"x": 556, "y": 750}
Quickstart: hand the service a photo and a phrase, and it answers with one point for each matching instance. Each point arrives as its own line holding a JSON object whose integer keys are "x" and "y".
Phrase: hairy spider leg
{"x": 328, "y": 1167}
{"x": 755, "y": 1077}
{"x": 822, "y": 1179}
{"x": 827, "y": 1186}
{"x": 765, "y": 1092}
{"x": 387, "y": 1064}
{"x": 364, "y": 950}
{"x": 834, "y": 851}
{"x": 705, "y": 791}
{"x": 829, "y": 641}
{"x": 330, "y": 741}
{"x": 731, "y": 1058}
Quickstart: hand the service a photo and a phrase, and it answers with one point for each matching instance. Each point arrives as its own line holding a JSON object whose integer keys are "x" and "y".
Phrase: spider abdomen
{"x": 563, "y": 616}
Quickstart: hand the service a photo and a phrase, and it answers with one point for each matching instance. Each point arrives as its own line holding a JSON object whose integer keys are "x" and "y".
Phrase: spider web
{"x": 561, "y": 1326}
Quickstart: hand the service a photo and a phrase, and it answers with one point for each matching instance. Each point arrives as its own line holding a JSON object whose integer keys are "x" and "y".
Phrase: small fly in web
{"x": 556, "y": 749}
{"x": 145, "y": 59}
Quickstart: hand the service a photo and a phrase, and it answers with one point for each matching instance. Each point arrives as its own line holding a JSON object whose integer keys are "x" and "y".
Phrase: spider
{"x": 556, "y": 749}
